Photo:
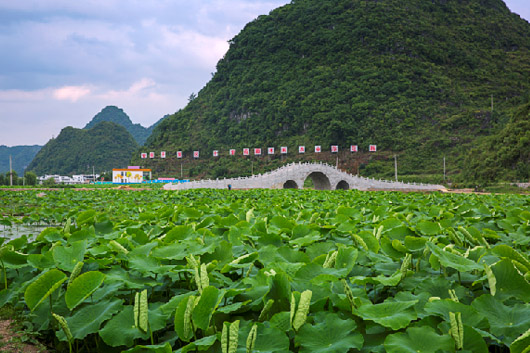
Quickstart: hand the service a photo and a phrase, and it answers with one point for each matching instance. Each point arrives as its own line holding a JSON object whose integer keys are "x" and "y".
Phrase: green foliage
{"x": 270, "y": 270}
{"x": 118, "y": 116}
{"x": 504, "y": 156}
{"x": 414, "y": 77}
{"x": 105, "y": 146}
{"x": 21, "y": 156}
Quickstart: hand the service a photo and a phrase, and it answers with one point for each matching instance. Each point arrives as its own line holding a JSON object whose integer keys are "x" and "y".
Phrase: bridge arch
{"x": 342, "y": 185}
{"x": 320, "y": 180}
{"x": 290, "y": 184}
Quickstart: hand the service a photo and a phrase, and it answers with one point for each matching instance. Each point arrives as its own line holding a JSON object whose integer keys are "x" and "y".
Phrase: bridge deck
{"x": 324, "y": 177}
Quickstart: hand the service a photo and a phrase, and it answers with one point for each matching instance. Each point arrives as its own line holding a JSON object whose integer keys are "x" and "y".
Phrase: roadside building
{"x": 130, "y": 175}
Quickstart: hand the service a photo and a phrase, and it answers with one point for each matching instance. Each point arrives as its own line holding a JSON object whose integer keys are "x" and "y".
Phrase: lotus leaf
{"x": 42, "y": 287}
{"x": 419, "y": 340}
{"x": 395, "y": 315}
{"x": 83, "y": 286}
{"x": 330, "y": 333}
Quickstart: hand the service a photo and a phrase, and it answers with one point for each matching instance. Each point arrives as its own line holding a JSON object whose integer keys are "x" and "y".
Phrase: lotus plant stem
{"x": 459, "y": 278}
{"x": 4, "y": 272}
{"x": 151, "y": 333}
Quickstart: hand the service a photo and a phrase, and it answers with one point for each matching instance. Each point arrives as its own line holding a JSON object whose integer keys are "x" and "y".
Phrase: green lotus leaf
{"x": 13, "y": 259}
{"x": 42, "y": 287}
{"x": 428, "y": 227}
{"x": 393, "y": 314}
{"x": 329, "y": 334}
{"x": 88, "y": 319}
{"x": 443, "y": 307}
{"x": 419, "y": 340}
{"x": 200, "y": 345}
{"x": 473, "y": 341}
{"x": 388, "y": 249}
{"x": 268, "y": 340}
{"x": 81, "y": 287}
{"x": 281, "y": 321}
{"x": 144, "y": 264}
{"x": 41, "y": 261}
{"x": 510, "y": 283}
{"x": 206, "y": 306}
{"x": 448, "y": 259}
{"x": 282, "y": 222}
{"x": 506, "y": 322}
{"x": 370, "y": 240}
{"x": 120, "y": 330}
{"x": 521, "y": 344}
{"x": 66, "y": 257}
{"x": 179, "y": 232}
{"x": 415, "y": 243}
{"x": 157, "y": 348}
{"x": 86, "y": 218}
{"x": 503, "y": 250}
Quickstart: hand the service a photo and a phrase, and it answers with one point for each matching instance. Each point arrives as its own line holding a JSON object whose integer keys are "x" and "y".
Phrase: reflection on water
{"x": 17, "y": 231}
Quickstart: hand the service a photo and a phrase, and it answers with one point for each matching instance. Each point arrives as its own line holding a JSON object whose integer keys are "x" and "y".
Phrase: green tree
{"x": 31, "y": 178}
{"x": 48, "y": 182}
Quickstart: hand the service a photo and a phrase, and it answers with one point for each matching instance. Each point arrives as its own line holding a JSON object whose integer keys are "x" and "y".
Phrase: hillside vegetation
{"x": 421, "y": 79}
{"x": 117, "y": 115}
{"x": 105, "y": 146}
{"x": 21, "y": 156}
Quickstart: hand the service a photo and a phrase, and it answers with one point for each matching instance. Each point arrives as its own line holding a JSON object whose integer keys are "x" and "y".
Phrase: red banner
{"x": 232, "y": 152}
{"x": 195, "y": 154}
{"x": 151, "y": 154}
{"x": 318, "y": 149}
{"x": 216, "y": 153}
{"x": 270, "y": 150}
{"x": 246, "y": 151}
{"x": 257, "y": 151}
{"x": 143, "y": 155}
{"x": 179, "y": 154}
{"x": 353, "y": 148}
{"x": 334, "y": 149}
{"x": 163, "y": 154}
{"x": 283, "y": 150}
{"x": 372, "y": 148}
{"x": 301, "y": 149}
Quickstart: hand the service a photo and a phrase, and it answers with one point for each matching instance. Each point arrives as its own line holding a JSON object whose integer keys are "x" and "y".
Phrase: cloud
{"x": 63, "y": 61}
{"x": 71, "y": 93}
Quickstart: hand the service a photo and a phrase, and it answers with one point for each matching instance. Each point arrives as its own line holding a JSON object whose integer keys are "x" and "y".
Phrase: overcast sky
{"x": 62, "y": 61}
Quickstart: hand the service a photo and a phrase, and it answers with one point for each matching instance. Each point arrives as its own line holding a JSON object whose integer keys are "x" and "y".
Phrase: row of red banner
{"x": 258, "y": 151}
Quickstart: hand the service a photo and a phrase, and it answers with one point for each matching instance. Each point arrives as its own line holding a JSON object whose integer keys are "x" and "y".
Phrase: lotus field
{"x": 269, "y": 271}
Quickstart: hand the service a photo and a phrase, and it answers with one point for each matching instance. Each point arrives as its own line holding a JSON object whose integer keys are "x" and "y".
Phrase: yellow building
{"x": 131, "y": 175}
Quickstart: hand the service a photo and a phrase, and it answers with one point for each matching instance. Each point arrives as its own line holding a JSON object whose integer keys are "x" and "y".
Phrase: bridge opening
{"x": 290, "y": 184}
{"x": 320, "y": 181}
{"x": 343, "y": 185}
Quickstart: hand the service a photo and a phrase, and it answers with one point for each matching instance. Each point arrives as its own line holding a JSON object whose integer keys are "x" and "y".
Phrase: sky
{"x": 63, "y": 61}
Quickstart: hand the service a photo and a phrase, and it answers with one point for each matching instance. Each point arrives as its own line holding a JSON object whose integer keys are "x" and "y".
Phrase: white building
{"x": 131, "y": 175}
{"x": 75, "y": 179}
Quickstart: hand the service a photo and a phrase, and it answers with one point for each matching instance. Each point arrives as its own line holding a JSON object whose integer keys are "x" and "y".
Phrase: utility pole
{"x": 93, "y": 175}
{"x": 444, "y": 169}
{"x": 10, "y": 172}
{"x": 252, "y": 167}
{"x": 395, "y": 167}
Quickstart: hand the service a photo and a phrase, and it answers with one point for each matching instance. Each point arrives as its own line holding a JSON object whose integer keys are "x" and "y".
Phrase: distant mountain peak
{"x": 116, "y": 115}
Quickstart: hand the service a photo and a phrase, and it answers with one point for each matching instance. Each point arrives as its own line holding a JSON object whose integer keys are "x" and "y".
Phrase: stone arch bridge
{"x": 293, "y": 176}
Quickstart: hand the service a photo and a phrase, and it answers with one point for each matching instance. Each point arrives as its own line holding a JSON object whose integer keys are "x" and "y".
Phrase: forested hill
{"x": 21, "y": 156}
{"x": 75, "y": 151}
{"x": 422, "y": 79}
{"x": 118, "y": 116}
